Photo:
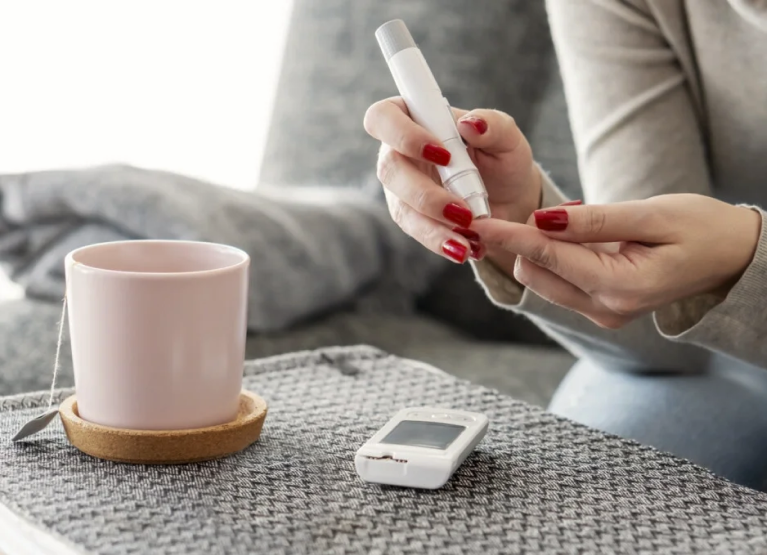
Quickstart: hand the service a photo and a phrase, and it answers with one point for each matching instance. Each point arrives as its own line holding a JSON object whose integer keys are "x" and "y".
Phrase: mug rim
{"x": 71, "y": 262}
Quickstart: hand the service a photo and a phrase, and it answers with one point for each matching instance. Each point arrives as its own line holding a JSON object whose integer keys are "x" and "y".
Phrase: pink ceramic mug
{"x": 158, "y": 332}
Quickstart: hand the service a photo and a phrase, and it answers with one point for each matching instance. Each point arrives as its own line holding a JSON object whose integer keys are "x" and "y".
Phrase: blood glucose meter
{"x": 420, "y": 447}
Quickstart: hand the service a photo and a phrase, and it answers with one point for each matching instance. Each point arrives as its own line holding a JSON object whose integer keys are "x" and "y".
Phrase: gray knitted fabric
{"x": 536, "y": 484}
{"x": 346, "y": 246}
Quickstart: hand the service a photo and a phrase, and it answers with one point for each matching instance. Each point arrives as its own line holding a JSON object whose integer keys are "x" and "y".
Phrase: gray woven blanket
{"x": 343, "y": 241}
{"x": 536, "y": 484}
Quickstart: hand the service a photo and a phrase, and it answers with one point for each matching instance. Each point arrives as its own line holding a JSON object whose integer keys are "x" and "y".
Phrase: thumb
{"x": 490, "y": 130}
{"x": 606, "y": 223}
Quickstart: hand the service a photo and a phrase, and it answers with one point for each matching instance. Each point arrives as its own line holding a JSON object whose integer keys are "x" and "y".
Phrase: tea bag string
{"x": 40, "y": 421}
{"x": 57, "y": 360}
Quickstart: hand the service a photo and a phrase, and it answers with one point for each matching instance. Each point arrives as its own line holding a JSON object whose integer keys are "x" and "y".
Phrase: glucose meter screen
{"x": 432, "y": 435}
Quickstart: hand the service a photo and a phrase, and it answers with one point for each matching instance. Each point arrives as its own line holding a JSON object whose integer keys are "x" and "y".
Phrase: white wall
{"x": 180, "y": 85}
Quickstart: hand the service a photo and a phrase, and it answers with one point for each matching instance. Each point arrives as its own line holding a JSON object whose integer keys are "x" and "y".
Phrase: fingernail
{"x": 454, "y": 250}
{"x": 572, "y": 203}
{"x": 470, "y": 234}
{"x": 436, "y": 154}
{"x": 457, "y": 214}
{"x": 475, "y": 247}
{"x": 551, "y": 220}
{"x": 479, "y": 125}
{"x": 477, "y": 250}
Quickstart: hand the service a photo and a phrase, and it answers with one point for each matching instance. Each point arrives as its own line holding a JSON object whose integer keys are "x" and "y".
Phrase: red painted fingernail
{"x": 454, "y": 250}
{"x": 551, "y": 220}
{"x": 479, "y": 125}
{"x": 457, "y": 214}
{"x": 470, "y": 234}
{"x": 436, "y": 154}
{"x": 477, "y": 250}
{"x": 572, "y": 203}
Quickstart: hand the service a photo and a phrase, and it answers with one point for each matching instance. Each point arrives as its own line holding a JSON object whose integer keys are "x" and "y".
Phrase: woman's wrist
{"x": 534, "y": 198}
{"x": 744, "y": 238}
{"x": 521, "y": 208}
{"x": 503, "y": 261}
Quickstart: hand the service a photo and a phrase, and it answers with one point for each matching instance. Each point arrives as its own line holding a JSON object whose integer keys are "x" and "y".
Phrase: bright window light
{"x": 178, "y": 85}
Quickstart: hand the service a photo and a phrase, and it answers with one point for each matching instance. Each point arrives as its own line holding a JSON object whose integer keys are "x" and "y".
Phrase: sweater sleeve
{"x": 734, "y": 325}
{"x": 633, "y": 110}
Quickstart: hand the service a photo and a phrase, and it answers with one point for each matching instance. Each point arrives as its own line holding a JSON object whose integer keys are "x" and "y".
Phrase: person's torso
{"x": 729, "y": 42}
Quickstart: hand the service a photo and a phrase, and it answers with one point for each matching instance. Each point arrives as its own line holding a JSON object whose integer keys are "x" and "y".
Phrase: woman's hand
{"x": 417, "y": 201}
{"x": 615, "y": 262}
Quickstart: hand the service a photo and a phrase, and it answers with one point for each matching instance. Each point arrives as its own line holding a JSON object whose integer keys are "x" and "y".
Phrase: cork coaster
{"x": 166, "y": 447}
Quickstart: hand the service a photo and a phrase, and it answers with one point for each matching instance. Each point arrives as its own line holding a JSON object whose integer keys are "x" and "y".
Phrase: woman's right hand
{"x": 417, "y": 201}
{"x": 615, "y": 262}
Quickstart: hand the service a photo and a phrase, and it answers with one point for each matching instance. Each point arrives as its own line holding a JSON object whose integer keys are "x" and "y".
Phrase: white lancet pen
{"x": 431, "y": 110}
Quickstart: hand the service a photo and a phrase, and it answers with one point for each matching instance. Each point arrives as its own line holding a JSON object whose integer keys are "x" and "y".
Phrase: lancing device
{"x": 431, "y": 110}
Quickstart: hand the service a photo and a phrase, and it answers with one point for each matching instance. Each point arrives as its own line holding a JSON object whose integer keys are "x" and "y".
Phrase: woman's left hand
{"x": 615, "y": 262}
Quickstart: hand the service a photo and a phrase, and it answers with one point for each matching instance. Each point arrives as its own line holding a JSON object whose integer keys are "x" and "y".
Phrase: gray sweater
{"x": 665, "y": 96}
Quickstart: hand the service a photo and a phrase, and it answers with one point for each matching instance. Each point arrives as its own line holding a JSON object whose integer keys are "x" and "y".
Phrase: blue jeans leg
{"x": 716, "y": 418}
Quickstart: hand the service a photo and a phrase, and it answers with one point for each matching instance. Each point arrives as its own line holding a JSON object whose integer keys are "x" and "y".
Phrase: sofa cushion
{"x": 28, "y": 331}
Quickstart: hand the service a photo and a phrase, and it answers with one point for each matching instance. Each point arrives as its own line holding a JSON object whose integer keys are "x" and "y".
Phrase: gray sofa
{"x": 492, "y": 54}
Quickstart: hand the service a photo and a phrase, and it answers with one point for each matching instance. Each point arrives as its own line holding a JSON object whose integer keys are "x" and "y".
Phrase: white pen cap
{"x": 393, "y": 37}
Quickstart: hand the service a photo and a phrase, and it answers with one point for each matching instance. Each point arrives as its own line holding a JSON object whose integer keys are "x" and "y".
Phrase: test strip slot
{"x": 386, "y": 458}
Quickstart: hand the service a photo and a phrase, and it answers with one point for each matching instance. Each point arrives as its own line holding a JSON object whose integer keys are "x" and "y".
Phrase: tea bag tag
{"x": 36, "y": 424}
{"x": 41, "y": 421}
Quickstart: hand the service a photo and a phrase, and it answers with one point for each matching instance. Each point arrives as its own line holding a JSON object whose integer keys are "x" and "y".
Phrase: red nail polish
{"x": 551, "y": 219}
{"x": 470, "y": 234}
{"x": 479, "y": 125}
{"x": 572, "y": 203}
{"x": 457, "y": 214}
{"x": 436, "y": 154}
{"x": 477, "y": 251}
{"x": 454, "y": 250}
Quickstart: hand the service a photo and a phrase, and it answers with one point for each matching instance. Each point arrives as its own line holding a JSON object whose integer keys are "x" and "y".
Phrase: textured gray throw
{"x": 343, "y": 241}
{"x": 536, "y": 484}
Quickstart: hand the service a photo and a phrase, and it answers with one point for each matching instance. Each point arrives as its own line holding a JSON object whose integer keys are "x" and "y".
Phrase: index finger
{"x": 637, "y": 220}
{"x": 573, "y": 262}
{"x": 389, "y": 121}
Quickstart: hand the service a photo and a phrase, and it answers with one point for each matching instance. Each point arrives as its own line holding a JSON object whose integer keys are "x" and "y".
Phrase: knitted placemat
{"x": 536, "y": 484}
